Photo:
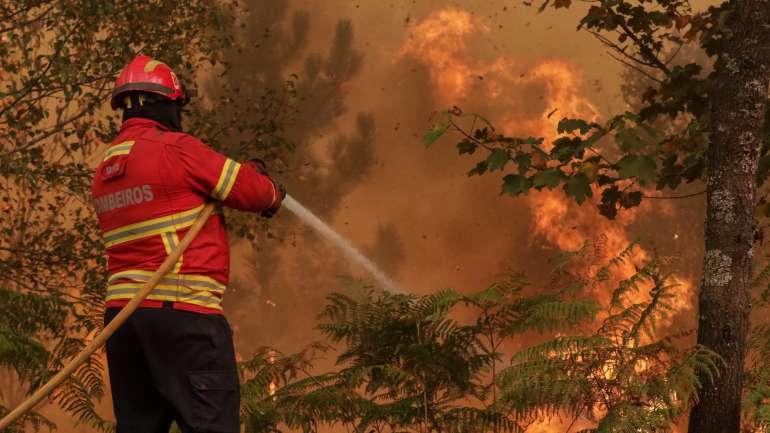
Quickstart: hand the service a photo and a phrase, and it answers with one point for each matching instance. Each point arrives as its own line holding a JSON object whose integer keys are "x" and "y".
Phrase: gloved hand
{"x": 269, "y": 213}
{"x": 260, "y": 166}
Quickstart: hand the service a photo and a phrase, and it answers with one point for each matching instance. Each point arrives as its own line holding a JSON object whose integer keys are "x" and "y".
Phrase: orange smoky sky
{"x": 415, "y": 211}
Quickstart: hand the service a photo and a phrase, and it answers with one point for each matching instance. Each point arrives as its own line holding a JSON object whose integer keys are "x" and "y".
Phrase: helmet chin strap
{"x": 153, "y": 107}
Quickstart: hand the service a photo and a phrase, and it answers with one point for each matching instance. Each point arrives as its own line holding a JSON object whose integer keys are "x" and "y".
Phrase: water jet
{"x": 340, "y": 242}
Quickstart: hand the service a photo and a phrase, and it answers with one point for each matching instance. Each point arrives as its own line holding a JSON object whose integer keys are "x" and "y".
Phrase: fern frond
{"x": 472, "y": 420}
{"x": 657, "y": 307}
{"x": 30, "y": 420}
{"x": 562, "y": 348}
{"x": 756, "y": 403}
{"x": 632, "y": 418}
{"x": 550, "y": 316}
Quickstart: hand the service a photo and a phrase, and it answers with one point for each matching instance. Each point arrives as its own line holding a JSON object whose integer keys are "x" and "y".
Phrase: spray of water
{"x": 343, "y": 244}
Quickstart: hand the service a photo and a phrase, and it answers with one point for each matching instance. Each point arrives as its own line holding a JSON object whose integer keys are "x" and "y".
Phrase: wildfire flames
{"x": 533, "y": 99}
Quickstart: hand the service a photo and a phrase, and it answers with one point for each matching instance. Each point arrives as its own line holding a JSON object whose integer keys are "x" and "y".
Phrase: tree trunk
{"x": 738, "y": 103}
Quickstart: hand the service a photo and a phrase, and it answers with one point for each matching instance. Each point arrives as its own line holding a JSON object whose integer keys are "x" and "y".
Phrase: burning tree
{"x": 716, "y": 134}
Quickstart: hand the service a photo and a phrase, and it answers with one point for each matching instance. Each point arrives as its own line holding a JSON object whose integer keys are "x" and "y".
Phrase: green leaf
{"x": 670, "y": 174}
{"x": 434, "y": 134}
{"x": 514, "y": 184}
{"x": 466, "y": 147}
{"x": 579, "y": 188}
{"x": 628, "y": 140}
{"x": 524, "y": 161}
{"x": 650, "y": 131}
{"x": 569, "y": 125}
{"x": 497, "y": 159}
{"x": 485, "y": 121}
{"x": 631, "y": 116}
{"x": 593, "y": 138}
{"x": 482, "y": 134}
{"x": 608, "y": 206}
{"x": 642, "y": 168}
{"x": 566, "y": 148}
{"x": 550, "y": 178}
{"x": 479, "y": 169}
{"x": 694, "y": 165}
{"x": 630, "y": 199}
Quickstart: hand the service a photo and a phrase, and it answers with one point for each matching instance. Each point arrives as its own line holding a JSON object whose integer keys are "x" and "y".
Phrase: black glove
{"x": 269, "y": 213}
{"x": 260, "y": 166}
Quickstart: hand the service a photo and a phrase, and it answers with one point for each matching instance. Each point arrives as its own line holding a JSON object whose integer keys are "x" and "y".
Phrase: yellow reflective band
{"x": 123, "y": 148}
{"x": 165, "y": 292}
{"x": 199, "y": 282}
{"x": 151, "y": 227}
{"x": 170, "y": 241}
{"x": 226, "y": 179}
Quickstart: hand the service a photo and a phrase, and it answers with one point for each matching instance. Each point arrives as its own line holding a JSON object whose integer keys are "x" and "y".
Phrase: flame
{"x": 531, "y": 101}
{"x": 439, "y": 41}
{"x": 526, "y": 100}
{"x": 272, "y": 387}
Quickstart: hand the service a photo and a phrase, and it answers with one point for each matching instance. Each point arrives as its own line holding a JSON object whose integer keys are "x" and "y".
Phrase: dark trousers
{"x": 169, "y": 365}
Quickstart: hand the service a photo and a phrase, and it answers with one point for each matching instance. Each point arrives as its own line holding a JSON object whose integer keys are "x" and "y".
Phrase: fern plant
{"x": 276, "y": 389}
{"x": 619, "y": 378}
{"x": 24, "y": 318}
{"x": 434, "y": 363}
{"x": 756, "y": 401}
{"x": 408, "y": 363}
{"x": 39, "y": 331}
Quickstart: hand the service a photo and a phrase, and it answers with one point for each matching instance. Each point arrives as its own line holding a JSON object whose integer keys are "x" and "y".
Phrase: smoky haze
{"x": 370, "y": 77}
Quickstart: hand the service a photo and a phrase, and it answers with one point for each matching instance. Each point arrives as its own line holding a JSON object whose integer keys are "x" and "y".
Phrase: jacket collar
{"x": 142, "y": 122}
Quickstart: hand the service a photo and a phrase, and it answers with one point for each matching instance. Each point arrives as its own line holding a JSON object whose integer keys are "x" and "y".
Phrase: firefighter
{"x": 173, "y": 360}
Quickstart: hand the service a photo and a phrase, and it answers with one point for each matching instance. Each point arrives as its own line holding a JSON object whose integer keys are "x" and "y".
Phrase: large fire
{"x": 441, "y": 43}
{"x": 524, "y": 99}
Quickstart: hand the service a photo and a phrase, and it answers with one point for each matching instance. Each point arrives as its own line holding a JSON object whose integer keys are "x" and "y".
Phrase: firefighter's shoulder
{"x": 182, "y": 141}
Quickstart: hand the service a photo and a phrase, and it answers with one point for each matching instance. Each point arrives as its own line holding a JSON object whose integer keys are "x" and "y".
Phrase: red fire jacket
{"x": 147, "y": 191}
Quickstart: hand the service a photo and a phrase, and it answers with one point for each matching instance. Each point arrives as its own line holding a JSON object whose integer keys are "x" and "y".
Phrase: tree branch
{"x": 17, "y": 24}
{"x": 672, "y": 197}
{"x": 636, "y": 68}
{"x": 644, "y": 49}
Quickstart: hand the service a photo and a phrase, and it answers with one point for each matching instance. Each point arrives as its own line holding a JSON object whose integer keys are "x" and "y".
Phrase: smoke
{"x": 370, "y": 77}
{"x": 441, "y": 42}
{"x": 414, "y": 210}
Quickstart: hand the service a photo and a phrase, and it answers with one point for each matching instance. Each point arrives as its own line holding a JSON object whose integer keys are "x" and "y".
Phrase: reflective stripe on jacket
{"x": 148, "y": 190}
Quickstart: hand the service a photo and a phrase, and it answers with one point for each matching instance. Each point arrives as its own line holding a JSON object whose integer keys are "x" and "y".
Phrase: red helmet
{"x": 145, "y": 74}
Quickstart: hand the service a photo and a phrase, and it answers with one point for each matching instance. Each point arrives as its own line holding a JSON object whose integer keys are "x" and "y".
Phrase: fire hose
{"x": 113, "y": 326}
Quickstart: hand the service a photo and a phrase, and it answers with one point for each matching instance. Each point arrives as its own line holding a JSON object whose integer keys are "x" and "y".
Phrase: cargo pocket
{"x": 215, "y": 401}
